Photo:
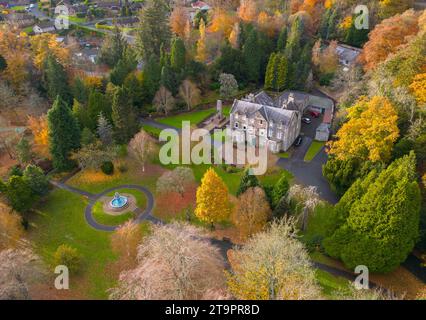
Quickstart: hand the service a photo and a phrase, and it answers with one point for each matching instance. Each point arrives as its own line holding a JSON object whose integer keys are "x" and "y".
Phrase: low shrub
{"x": 107, "y": 168}
{"x": 69, "y": 257}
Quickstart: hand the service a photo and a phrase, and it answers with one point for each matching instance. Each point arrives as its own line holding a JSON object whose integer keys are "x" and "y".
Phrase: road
{"x": 90, "y": 25}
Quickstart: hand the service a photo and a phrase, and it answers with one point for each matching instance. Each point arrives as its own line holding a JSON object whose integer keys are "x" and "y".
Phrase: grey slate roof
{"x": 269, "y": 113}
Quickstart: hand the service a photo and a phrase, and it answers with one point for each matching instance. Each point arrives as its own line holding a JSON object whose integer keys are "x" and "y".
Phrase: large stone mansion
{"x": 273, "y": 123}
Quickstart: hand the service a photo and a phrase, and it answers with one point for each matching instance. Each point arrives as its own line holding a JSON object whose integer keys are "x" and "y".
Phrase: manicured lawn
{"x": 194, "y": 117}
{"x": 313, "y": 150}
{"x": 18, "y": 8}
{"x": 77, "y": 19}
{"x": 60, "y": 220}
{"x": 109, "y": 220}
{"x": 331, "y": 284}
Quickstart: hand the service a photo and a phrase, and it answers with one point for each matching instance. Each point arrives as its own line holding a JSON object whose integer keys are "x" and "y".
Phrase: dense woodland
{"x": 376, "y": 157}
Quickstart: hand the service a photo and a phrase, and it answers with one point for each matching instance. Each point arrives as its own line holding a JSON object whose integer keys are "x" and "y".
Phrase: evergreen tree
{"x": 36, "y": 180}
{"x": 134, "y": 86}
{"x": 251, "y": 55}
{"x": 113, "y": 48}
{"x": 177, "y": 55}
{"x": 104, "y": 130}
{"x": 282, "y": 40}
{"x": 123, "y": 116}
{"x": 282, "y": 73}
{"x": 64, "y": 134}
{"x": 81, "y": 113}
{"x": 231, "y": 61}
{"x": 247, "y": 181}
{"x": 124, "y": 66}
{"x": 168, "y": 80}
{"x": 154, "y": 29}
{"x": 23, "y": 149}
{"x": 382, "y": 224}
{"x": 151, "y": 77}
{"x": 280, "y": 190}
{"x": 271, "y": 72}
{"x": 97, "y": 103}
{"x": 294, "y": 40}
{"x": 3, "y": 63}
{"x": 87, "y": 137}
{"x": 356, "y": 37}
{"x": 80, "y": 91}
{"x": 19, "y": 194}
{"x": 56, "y": 79}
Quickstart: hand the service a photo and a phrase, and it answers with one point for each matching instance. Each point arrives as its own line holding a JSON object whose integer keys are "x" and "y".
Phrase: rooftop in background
{"x": 201, "y": 5}
{"x": 347, "y": 54}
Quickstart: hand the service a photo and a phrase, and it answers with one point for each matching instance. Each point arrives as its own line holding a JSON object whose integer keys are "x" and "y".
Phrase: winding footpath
{"x": 141, "y": 215}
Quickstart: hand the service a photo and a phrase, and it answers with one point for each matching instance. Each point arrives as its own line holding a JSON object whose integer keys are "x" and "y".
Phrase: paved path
{"x": 158, "y": 125}
{"x": 309, "y": 173}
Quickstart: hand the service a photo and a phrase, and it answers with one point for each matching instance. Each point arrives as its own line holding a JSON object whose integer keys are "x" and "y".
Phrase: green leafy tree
{"x": 151, "y": 77}
{"x": 64, "y": 134}
{"x": 271, "y": 72}
{"x": 134, "y": 85}
{"x": 36, "y": 180}
{"x": 98, "y": 103}
{"x": 154, "y": 29}
{"x": 123, "y": 117}
{"x": 230, "y": 61}
{"x": 68, "y": 256}
{"x": 283, "y": 73}
{"x": 382, "y": 224}
{"x": 247, "y": 181}
{"x": 124, "y": 66}
{"x": 19, "y": 194}
{"x": 169, "y": 80}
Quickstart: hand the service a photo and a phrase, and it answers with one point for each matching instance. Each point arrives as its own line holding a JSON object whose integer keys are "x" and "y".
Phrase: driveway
{"x": 309, "y": 173}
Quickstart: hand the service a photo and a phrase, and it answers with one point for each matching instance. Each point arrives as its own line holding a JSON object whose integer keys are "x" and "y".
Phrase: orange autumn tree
{"x": 387, "y": 37}
{"x": 39, "y": 128}
{"x": 369, "y": 133}
{"x": 418, "y": 87}
{"x": 222, "y": 22}
{"x": 212, "y": 199}
{"x": 178, "y": 21}
{"x": 248, "y": 10}
{"x": 46, "y": 43}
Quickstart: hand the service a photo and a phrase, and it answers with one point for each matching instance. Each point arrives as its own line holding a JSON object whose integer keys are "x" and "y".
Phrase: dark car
{"x": 298, "y": 141}
{"x": 314, "y": 114}
{"x": 306, "y": 120}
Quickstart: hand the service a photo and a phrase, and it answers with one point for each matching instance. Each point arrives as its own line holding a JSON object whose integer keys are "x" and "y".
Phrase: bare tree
{"x": 177, "y": 180}
{"x": 18, "y": 268}
{"x": 163, "y": 100}
{"x": 11, "y": 229}
{"x": 125, "y": 241}
{"x": 305, "y": 197}
{"x": 189, "y": 93}
{"x": 141, "y": 147}
{"x": 175, "y": 262}
{"x": 273, "y": 265}
{"x": 252, "y": 212}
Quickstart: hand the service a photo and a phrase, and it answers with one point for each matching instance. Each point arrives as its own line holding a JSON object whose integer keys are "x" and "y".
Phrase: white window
{"x": 279, "y": 135}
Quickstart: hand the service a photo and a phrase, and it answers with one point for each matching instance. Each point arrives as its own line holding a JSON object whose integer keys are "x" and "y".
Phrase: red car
{"x": 314, "y": 114}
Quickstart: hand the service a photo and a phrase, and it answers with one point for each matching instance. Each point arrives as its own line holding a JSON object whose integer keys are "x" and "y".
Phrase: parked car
{"x": 298, "y": 141}
{"x": 314, "y": 114}
{"x": 306, "y": 120}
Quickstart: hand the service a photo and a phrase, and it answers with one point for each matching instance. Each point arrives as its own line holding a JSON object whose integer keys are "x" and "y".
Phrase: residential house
{"x": 276, "y": 122}
{"x": 18, "y": 19}
{"x": 200, "y": 5}
{"x": 266, "y": 122}
{"x": 44, "y": 27}
{"x": 347, "y": 55}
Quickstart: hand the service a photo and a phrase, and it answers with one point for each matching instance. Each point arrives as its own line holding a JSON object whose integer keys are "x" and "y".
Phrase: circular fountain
{"x": 119, "y": 202}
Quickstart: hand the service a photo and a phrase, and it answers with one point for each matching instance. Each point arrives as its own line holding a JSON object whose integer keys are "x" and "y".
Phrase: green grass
{"x": 313, "y": 150}
{"x": 109, "y": 220}
{"x": 28, "y": 30}
{"x": 60, "y": 220}
{"x": 18, "y": 8}
{"x": 194, "y": 117}
{"x": 319, "y": 224}
{"x": 77, "y": 19}
{"x": 331, "y": 284}
{"x": 284, "y": 155}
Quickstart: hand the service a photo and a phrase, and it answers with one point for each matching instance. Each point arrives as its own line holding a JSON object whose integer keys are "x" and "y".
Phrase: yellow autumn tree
{"x": 46, "y": 43}
{"x": 201, "y": 43}
{"x": 39, "y": 128}
{"x": 212, "y": 199}
{"x": 222, "y": 22}
{"x": 234, "y": 37}
{"x": 10, "y": 228}
{"x": 369, "y": 133}
{"x": 418, "y": 87}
